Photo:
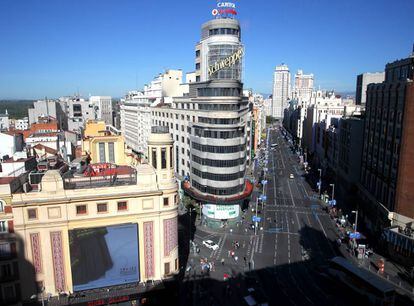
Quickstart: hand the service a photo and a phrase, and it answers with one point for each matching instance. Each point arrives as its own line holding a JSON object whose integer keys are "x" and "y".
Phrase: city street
{"x": 286, "y": 258}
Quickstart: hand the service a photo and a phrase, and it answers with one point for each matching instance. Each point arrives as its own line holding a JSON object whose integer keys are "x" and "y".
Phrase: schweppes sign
{"x": 226, "y": 62}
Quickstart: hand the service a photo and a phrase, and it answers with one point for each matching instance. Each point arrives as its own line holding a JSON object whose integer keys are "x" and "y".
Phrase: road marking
{"x": 218, "y": 254}
{"x": 261, "y": 243}
{"x": 291, "y": 195}
{"x": 288, "y": 230}
{"x": 213, "y": 253}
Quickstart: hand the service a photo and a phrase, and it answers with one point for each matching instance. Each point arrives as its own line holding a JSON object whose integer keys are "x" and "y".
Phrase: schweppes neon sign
{"x": 226, "y": 62}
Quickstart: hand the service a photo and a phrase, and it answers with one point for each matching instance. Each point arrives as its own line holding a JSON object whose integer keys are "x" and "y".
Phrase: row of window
{"x": 223, "y": 31}
{"x": 218, "y": 149}
{"x": 218, "y": 163}
{"x": 218, "y": 107}
{"x": 163, "y": 157}
{"x": 218, "y": 177}
{"x": 83, "y": 208}
{"x": 217, "y": 191}
{"x": 218, "y": 134}
{"x": 218, "y": 92}
{"x": 218, "y": 120}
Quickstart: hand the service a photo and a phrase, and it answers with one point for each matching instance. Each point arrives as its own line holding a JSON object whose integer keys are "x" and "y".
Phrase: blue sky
{"x": 53, "y": 48}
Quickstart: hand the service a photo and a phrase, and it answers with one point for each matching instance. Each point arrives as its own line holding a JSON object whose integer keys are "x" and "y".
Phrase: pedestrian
{"x": 236, "y": 258}
{"x": 229, "y": 253}
{"x": 222, "y": 261}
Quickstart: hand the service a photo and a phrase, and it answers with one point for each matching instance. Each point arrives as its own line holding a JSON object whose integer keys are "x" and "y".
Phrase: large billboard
{"x": 104, "y": 256}
{"x": 221, "y": 212}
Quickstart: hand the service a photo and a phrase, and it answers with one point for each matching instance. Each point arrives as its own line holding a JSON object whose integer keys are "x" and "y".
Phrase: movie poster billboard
{"x": 104, "y": 256}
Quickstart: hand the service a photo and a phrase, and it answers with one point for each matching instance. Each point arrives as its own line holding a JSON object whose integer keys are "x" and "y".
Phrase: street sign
{"x": 256, "y": 219}
{"x": 332, "y": 202}
{"x": 263, "y": 197}
{"x": 264, "y": 182}
{"x": 355, "y": 235}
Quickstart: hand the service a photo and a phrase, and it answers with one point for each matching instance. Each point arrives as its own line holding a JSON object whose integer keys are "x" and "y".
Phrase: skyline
{"x": 108, "y": 48}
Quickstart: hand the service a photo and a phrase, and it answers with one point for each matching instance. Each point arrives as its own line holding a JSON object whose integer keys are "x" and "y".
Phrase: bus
{"x": 375, "y": 289}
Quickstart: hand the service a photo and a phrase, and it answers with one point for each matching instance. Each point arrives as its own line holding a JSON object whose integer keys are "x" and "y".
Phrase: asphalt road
{"x": 285, "y": 260}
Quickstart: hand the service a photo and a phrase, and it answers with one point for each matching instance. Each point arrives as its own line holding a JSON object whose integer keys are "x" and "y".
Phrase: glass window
{"x": 111, "y": 149}
{"x": 167, "y": 268}
{"x": 32, "y": 213}
{"x": 3, "y": 226}
{"x": 163, "y": 158}
{"x": 102, "y": 158}
{"x": 171, "y": 157}
{"x": 102, "y": 207}
{"x": 122, "y": 205}
{"x": 81, "y": 209}
{"x": 166, "y": 201}
{"x": 154, "y": 158}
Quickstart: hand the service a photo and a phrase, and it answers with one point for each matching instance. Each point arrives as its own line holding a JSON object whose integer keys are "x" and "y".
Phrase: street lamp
{"x": 333, "y": 191}
{"x": 191, "y": 209}
{"x": 320, "y": 181}
{"x": 356, "y": 220}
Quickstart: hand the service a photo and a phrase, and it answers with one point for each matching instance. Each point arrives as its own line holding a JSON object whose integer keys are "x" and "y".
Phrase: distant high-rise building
{"x": 362, "y": 82}
{"x": 387, "y": 167}
{"x": 303, "y": 86}
{"x": 102, "y": 108}
{"x": 281, "y": 90}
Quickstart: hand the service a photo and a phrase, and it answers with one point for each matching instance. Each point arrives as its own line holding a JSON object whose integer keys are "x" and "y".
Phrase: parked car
{"x": 210, "y": 244}
{"x": 291, "y": 176}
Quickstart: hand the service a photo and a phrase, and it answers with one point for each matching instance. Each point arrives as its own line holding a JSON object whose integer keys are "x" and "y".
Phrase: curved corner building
{"x": 218, "y": 132}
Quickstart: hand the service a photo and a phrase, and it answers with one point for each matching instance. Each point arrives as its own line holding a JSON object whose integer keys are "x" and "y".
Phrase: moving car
{"x": 210, "y": 244}
{"x": 291, "y": 176}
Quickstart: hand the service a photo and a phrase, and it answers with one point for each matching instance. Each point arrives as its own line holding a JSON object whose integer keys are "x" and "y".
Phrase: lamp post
{"x": 356, "y": 220}
{"x": 333, "y": 191}
{"x": 320, "y": 181}
{"x": 191, "y": 209}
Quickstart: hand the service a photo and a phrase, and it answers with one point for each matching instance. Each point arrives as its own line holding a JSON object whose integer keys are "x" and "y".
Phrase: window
{"x": 81, "y": 210}
{"x": 197, "y": 53}
{"x": 3, "y": 226}
{"x": 154, "y": 158}
{"x": 102, "y": 152}
{"x": 182, "y": 139}
{"x": 102, "y": 207}
{"x": 163, "y": 158}
{"x": 167, "y": 268}
{"x": 5, "y": 250}
{"x": 176, "y": 264}
{"x": 166, "y": 201}
{"x": 182, "y": 162}
{"x": 171, "y": 157}
{"x": 197, "y": 66}
{"x": 111, "y": 149}
{"x": 2, "y": 204}
{"x": 122, "y": 205}
{"x": 32, "y": 213}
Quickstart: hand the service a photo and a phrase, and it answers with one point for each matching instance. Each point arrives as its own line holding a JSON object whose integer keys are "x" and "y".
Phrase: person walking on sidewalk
{"x": 222, "y": 261}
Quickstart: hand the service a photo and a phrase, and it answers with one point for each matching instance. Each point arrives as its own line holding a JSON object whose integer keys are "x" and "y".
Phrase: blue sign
{"x": 263, "y": 197}
{"x": 264, "y": 182}
{"x": 318, "y": 184}
{"x": 256, "y": 219}
{"x": 332, "y": 202}
{"x": 355, "y": 235}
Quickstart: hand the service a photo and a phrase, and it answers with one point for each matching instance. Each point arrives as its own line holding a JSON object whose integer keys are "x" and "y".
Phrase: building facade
{"x": 281, "y": 90}
{"x": 115, "y": 228}
{"x": 386, "y": 184}
{"x": 210, "y": 125}
{"x": 303, "y": 86}
{"x": 362, "y": 83}
{"x": 102, "y": 108}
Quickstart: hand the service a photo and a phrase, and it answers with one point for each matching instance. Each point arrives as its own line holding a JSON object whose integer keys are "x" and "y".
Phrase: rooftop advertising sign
{"x": 224, "y": 9}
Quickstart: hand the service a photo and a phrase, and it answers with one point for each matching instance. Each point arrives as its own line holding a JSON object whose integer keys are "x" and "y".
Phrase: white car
{"x": 210, "y": 244}
{"x": 291, "y": 176}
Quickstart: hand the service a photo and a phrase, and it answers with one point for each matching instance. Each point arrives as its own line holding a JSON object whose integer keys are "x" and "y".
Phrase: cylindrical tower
{"x": 219, "y": 136}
